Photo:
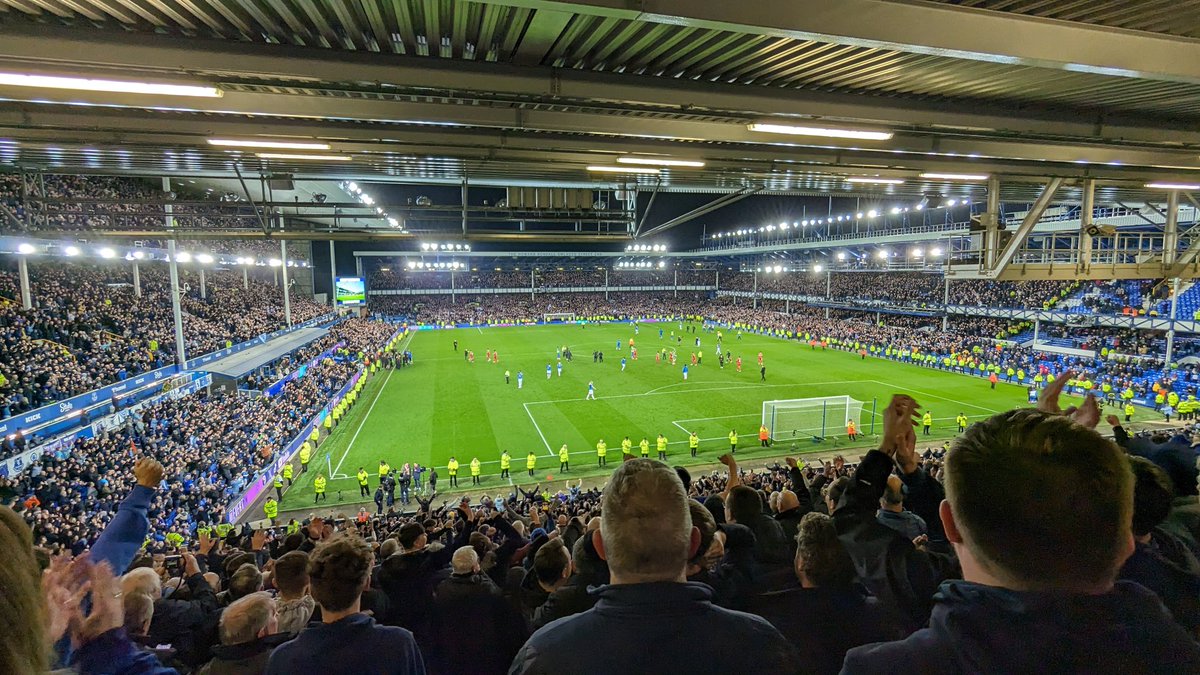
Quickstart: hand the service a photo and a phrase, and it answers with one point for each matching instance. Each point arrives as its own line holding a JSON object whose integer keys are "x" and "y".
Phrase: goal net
{"x": 814, "y": 418}
{"x": 564, "y": 317}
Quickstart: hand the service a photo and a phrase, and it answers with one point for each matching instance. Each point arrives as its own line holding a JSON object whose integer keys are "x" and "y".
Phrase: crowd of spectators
{"x": 891, "y": 562}
{"x": 81, "y": 204}
{"x": 87, "y": 327}
{"x": 1042, "y": 294}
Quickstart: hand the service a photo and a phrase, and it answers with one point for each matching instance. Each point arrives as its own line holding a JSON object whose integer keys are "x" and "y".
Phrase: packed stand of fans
{"x": 87, "y": 328}
{"x": 896, "y": 562}
{"x": 1010, "y": 294}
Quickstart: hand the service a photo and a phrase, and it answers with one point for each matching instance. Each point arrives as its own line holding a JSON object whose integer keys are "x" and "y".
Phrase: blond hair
{"x": 647, "y": 526}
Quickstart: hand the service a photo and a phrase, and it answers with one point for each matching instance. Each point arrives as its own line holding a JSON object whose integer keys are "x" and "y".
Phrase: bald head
{"x": 465, "y": 561}
{"x": 646, "y": 532}
{"x": 788, "y": 501}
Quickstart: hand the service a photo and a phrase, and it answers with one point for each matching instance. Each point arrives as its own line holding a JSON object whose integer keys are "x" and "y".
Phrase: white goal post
{"x": 565, "y": 317}
{"x": 814, "y": 418}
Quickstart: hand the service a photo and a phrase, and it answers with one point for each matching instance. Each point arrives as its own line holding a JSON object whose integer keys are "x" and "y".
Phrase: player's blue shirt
{"x": 547, "y": 369}
{"x": 685, "y": 369}
{"x": 520, "y": 376}
{"x": 622, "y": 361}
{"x": 591, "y": 387}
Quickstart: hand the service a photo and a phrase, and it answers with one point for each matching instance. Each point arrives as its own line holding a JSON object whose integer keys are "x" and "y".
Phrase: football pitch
{"x": 444, "y": 405}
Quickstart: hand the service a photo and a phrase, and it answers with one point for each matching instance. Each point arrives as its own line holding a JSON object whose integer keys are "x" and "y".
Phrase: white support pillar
{"x": 754, "y": 295}
{"x": 203, "y": 285}
{"x": 532, "y": 283}
{"x": 1174, "y": 311}
{"x": 453, "y": 296}
{"x": 332, "y": 276}
{"x": 787, "y": 306}
{"x": 606, "y": 283}
{"x": 287, "y": 292}
{"x": 991, "y": 222}
{"x": 358, "y": 266}
{"x": 1171, "y": 230}
{"x": 173, "y": 269}
{"x": 137, "y": 280}
{"x": 246, "y": 277}
{"x": 1087, "y": 212}
{"x": 1037, "y": 329}
{"x": 828, "y": 289}
{"x": 717, "y": 280}
{"x": 26, "y": 291}
{"x": 677, "y": 283}
{"x": 945, "y": 302}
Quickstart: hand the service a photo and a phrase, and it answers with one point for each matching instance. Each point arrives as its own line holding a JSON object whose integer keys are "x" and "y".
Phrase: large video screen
{"x": 351, "y": 291}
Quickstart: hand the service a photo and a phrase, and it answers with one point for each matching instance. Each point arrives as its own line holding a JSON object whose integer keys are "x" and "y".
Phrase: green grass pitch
{"x": 443, "y": 405}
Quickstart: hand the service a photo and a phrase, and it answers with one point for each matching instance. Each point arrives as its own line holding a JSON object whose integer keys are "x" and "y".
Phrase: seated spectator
{"x": 825, "y": 613}
{"x": 1038, "y": 593}
{"x": 249, "y": 633}
{"x": 347, "y": 641}
{"x": 649, "y": 619}
{"x": 294, "y": 605}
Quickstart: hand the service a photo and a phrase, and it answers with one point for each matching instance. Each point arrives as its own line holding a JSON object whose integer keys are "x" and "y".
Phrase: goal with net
{"x": 562, "y": 317}
{"x": 814, "y": 418}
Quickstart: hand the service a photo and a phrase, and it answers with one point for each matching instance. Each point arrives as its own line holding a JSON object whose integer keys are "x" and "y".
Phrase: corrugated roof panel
{"x": 1172, "y": 17}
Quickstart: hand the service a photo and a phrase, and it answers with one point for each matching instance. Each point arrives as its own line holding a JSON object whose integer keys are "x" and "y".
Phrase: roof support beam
{"x": 718, "y": 203}
{"x": 42, "y": 48}
{"x": 1031, "y": 219}
{"x": 961, "y": 32}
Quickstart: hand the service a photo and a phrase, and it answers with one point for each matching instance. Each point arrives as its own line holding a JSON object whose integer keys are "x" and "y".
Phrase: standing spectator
{"x": 249, "y": 633}
{"x": 825, "y": 612}
{"x": 647, "y": 537}
{"x": 1038, "y": 593}
{"x": 497, "y": 629}
{"x": 294, "y": 605}
{"x": 892, "y": 513}
{"x": 346, "y": 641}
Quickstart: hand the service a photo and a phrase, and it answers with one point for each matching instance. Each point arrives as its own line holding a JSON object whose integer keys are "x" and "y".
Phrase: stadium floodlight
{"x": 778, "y": 269}
{"x": 866, "y": 180}
{"x": 204, "y": 259}
{"x": 662, "y": 263}
{"x": 951, "y": 202}
{"x": 1172, "y": 186}
{"x": 109, "y": 86}
{"x": 107, "y": 252}
{"x": 919, "y": 207}
{"x": 955, "y": 176}
{"x": 841, "y": 255}
{"x": 917, "y": 252}
{"x": 649, "y": 161}
{"x": 274, "y": 145}
{"x": 817, "y": 268}
{"x": 823, "y": 132}
{"x": 302, "y": 157}
{"x": 859, "y": 215}
{"x": 935, "y": 251}
{"x": 26, "y": 248}
{"x": 895, "y": 210}
{"x": 624, "y": 169}
{"x": 872, "y": 213}
{"x": 274, "y": 262}
{"x": 138, "y": 255}
{"x": 183, "y": 256}
{"x": 883, "y": 254}
{"x": 71, "y": 251}
{"x": 353, "y": 187}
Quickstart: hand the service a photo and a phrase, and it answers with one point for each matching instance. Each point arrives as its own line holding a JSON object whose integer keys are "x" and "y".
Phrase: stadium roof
{"x": 534, "y": 92}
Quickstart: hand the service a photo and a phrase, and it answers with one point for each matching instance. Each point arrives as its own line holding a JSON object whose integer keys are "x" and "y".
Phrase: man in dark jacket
{"x": 650, "y": 619}
{"x": 346, "y": 640}
{"x": 248, "y": 636}
{"x": 179, "y": 617}
{"x": 573, "y": 597}
{"x": 495, "y": 631}
{"x": 823, "y": 612}
{"x": 409, "y": 577}
{"x": 1038, "y": 593}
